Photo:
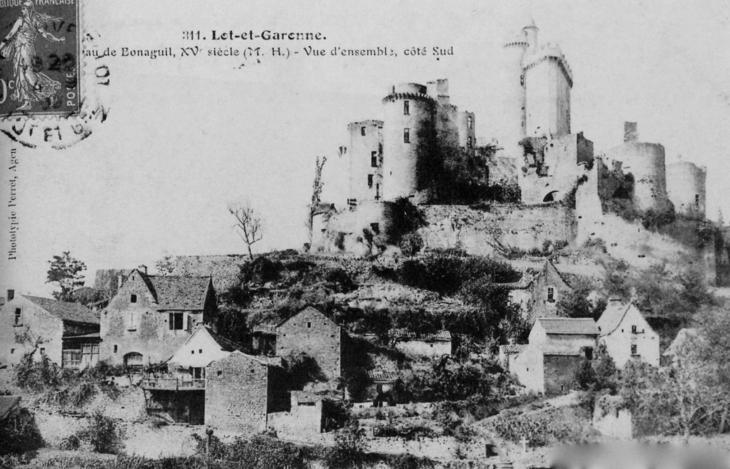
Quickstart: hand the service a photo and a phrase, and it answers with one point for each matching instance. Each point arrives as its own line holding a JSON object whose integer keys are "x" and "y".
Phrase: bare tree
{"x": 248, "y": 223}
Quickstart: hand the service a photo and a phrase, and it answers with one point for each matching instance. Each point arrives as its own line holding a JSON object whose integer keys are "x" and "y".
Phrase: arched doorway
{"x": 551, "y": 197}
{"x": 133, "y": 359}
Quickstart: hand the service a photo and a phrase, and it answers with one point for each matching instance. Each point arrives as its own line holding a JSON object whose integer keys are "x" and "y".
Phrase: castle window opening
{"x": 377, "y": 191}
{"x": 18, "y": 317}
{"x": 375, "y": 227}
{"x": 370, "y": 180}
{"x": 406, "y": 108}
{"x": 176, "y": 321}
{"x": 133, "y": 299}
{"x": 116, "y": 348}
{"x": 362, "y": 131}
{"x": 697, "y": 200}
{"x": 406, "y": 135}
{"x": 374, "y": 159}
{"x": 468, "y": 142}
{"x": 551, "y": 294}
{"x": 469, "y": 122}
{"x": 309, "y": 325}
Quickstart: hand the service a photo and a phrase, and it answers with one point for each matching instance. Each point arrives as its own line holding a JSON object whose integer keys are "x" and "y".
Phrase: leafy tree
{"x": 316, "y": 194}
{"x": 67, "y": 272}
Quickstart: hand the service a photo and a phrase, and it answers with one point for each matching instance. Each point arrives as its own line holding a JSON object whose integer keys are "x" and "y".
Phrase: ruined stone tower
{"x": 686, "y": 187}
{"x": 407, "y": 109}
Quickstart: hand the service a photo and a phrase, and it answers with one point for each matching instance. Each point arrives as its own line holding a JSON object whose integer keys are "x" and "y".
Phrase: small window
{"x": 133, "y": 299}
{"x": 116, "y": 348}
{"x": 468, "y": 142}
{"x": 176, "y": 321}
{"x": 370, "y": 180}
{"x": 633, "y": 349}
{"x": 192, "y": 352}
{"x": 220, "y": 373}
{"x": 406, "y": 108}
{"x": 43, "y": 352}
{"x": 633, "y": 329}
{"x": 374, "y": 159}
{"x": 18, "y": 317}
{"x": 200, "y": 350}
{"x": 309, "y": 324}
{"x": 697, "y": 200}
{"x": 551, "y": 294}
{"x": 589, "y": 353}
{"x": 12, "y": 351}
{"x": 406, "y": 135}
{"x": 469, "y": 121}
{"x": 362, "y": 131}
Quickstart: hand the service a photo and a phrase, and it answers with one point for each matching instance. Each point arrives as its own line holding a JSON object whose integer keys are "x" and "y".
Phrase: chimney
{"x": 143, "y": 268}
{"x": 631, "y": 132}
{"x": 11, "y": 295}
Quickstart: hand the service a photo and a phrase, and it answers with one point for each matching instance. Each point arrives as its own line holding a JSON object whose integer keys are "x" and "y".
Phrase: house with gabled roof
{"x": 65, "y": 333}
{"x": 556, "y": 348}
{"x": 312, "y": 333}
{"x": 627, "y": 335}
{"x": 548, "y": 287}
{"x": 151, "y": 316}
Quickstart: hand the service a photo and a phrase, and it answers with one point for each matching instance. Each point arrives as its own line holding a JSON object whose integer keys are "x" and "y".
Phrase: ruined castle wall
{"x": 466, "y": 122}
{"x": 560, "y": 170}
{"x": 346, "y": 230}
{"x": 407, "y": 109}
{"x": 366, "y": 169}
{"x": 489, "y": 232}
{"x": 645, "y": 161}
{"x": 686, "y": 187}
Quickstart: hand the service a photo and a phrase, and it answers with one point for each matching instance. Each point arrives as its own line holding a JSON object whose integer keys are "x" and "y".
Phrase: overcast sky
{"x": 186, "y": 136}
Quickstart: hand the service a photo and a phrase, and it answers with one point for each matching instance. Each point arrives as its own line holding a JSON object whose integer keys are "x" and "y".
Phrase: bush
{"x": 404, "y": 218}
{"x": 411, "y": 244}
{"x": 101, "y": 433}
{"x": 349, "y": 449}
{"x": 19, "y": 433}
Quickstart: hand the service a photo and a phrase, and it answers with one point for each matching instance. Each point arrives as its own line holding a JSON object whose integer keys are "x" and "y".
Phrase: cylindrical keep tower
{"x": 510, "y": 96}
{"x": 645, "y": 161}
{"x": 686, "y": 186}
{"x": 407, "y": 110}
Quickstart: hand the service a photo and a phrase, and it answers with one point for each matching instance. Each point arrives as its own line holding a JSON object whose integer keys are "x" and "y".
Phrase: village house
{"x": 312, "y": 333}
{"x": 537, "y": 294}
{"x": 241, "y": 391}
{"x": 627, "y": 335}
{"x": 382, "y": 383}
{"x": 421, "y": 345}
{"x": 151, "y": 316}
{"x": 308, "y": 414}
{"x": 180, "y": 392}
{"x": 556, "y": 348}
{"x": 66, "y": 333}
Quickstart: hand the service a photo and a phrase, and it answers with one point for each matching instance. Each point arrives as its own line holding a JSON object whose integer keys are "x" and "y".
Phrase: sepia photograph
{"x": 364, "y": 235}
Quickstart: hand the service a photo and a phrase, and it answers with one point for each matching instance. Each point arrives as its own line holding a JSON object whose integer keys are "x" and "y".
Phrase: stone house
{"x": 556, "y": 348}
{"x": 66, "y": 333}
{"x": 308, "y": 414}
{"x": 422, "y": 345}
{"x": 180, "y": 393}
{"x": 627, "y": 335}
{"x": 547, "y": 288}
{"x": 241, "y": 391}
{"x": 151, "y": 316}
{"x": 312, "y": 333}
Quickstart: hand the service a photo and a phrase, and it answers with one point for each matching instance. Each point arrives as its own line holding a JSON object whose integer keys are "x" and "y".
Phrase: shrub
{"x": 19, "y": 433}
{"x": 411, "y": 244}
{"x": 101, "y": 433}
{"x": 349, "y": 449}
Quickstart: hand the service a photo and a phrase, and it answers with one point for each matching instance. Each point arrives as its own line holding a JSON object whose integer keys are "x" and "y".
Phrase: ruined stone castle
{"x": 570, "y": 192}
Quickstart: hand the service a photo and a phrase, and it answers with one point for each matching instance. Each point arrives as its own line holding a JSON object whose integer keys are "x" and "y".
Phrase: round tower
{"x": 510, "y": 94}
{"x": 646, "y": 162}
{"x": 407, "y": 110}
{"x": 548, "y": 81}
{"x": 686, "y": 187}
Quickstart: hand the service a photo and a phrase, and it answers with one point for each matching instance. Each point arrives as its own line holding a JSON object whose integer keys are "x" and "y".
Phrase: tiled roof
{"x": 66, "y": 311}
{"x": 612, "y": 316}
{"x": 7, "y": 404}
{"x": 553, "y": 276}
{"x": 178, "y": 293}
{"x": 579, "y": 326}
{"x": 403, "y": 334}
{"x": 380, "y": 376}
{"x": 225, "y": 344}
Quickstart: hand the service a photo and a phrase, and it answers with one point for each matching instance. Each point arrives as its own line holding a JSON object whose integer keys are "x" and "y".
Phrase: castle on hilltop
{"x": 551, "y": 164}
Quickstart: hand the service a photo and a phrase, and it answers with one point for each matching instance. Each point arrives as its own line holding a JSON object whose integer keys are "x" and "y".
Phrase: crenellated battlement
{"x": 414, "y": 96}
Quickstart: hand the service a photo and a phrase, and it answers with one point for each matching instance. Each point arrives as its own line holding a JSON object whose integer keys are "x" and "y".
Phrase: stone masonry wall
{"x": 312, "y": 333}
{"x": 236, "y": 394}
{"x": 560, "y": 373}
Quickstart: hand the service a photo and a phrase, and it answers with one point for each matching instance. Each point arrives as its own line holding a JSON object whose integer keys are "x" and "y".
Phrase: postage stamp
{"x": 40, "y": 57}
